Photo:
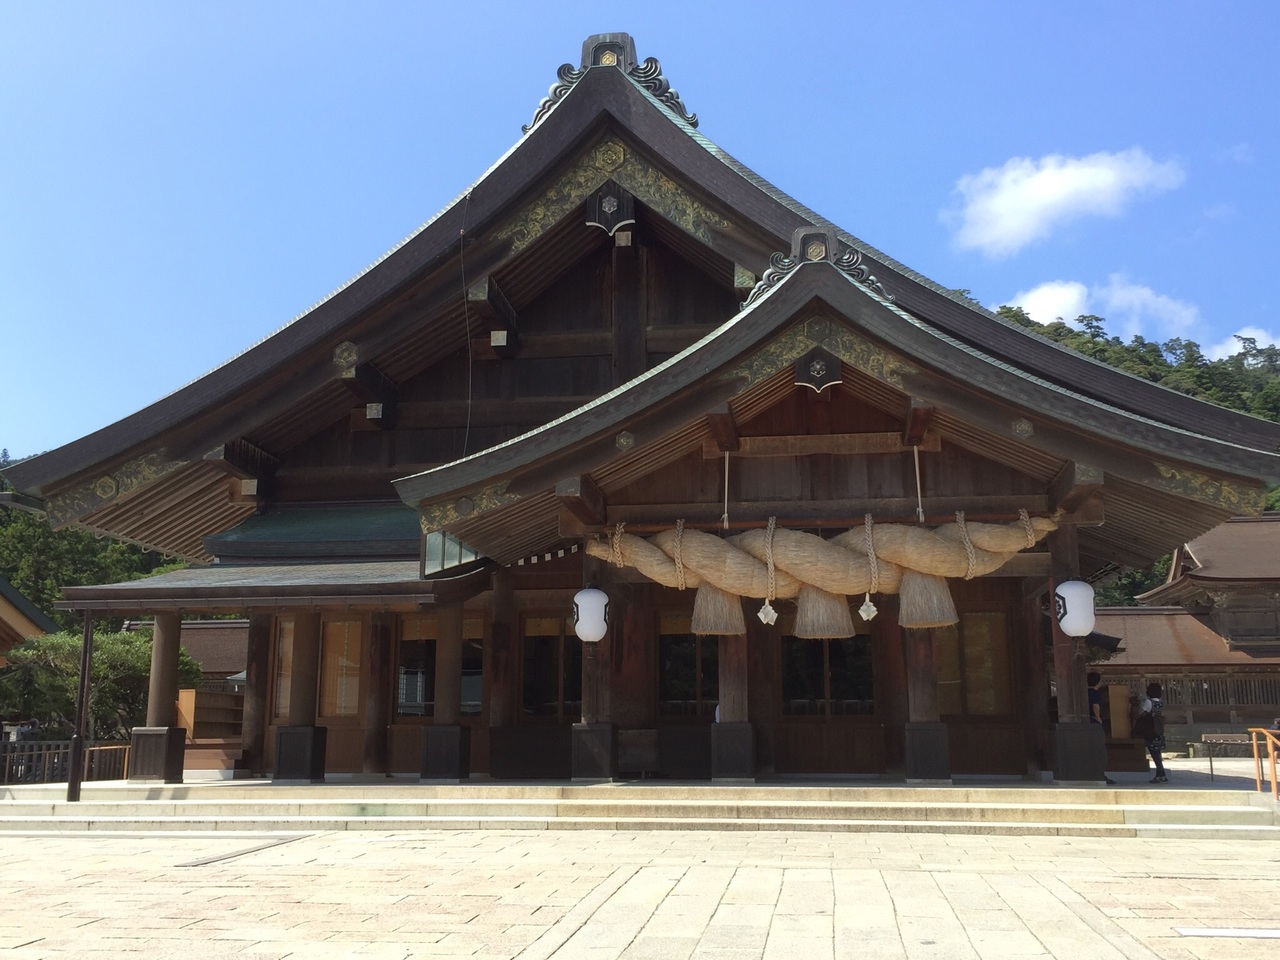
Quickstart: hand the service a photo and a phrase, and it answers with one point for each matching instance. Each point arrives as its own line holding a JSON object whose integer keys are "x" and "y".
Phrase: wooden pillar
{"x": 377, "y": 700}
{"x": 156, "y": 750}
{"x": 595, "y": 738}
{"x": 300, "y": 744}
{"x": 448, "y": 690}
{"x": 253, "y": 724}
{"x": 733, "y": 679}
{"x": 1068, "y": 652}
{"x": 162, "y": 693}
{"x": 733, "y": 755}
{"x": 1080, "y": 749}
{"x": 927, "y": 743}
{"x": 446, "y": 742}
{"x": 304, "y": 683}
{"x": 502, "y": 663}
{"x": 922, "y": 676}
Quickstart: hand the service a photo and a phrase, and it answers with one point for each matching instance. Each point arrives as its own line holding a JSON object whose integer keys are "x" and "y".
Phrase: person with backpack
{"x": 1149, "y": 725}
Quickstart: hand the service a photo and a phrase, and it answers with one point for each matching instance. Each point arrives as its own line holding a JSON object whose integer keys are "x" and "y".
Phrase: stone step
{"x": 388, "y": 805}
{"x": 385, "y": 790}
{"x": 938, "y": 809}
{"x": 313, "y": 824}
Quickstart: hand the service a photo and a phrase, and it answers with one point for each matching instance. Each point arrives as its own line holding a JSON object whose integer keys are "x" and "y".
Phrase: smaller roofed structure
{"x": 19, "y": 619}
{"x": 1231, "y": 577}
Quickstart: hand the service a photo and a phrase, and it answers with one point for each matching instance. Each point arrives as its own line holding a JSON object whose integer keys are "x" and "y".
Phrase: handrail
{"x": 1272, "y": 740}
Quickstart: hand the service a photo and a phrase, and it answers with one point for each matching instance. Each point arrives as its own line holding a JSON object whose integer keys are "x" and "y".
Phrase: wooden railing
{"x": 1271, "y": 738}
{"x": 48, "y": 761}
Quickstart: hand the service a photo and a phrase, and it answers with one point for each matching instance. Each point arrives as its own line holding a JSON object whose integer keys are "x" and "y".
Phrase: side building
{"x": 826, "y": 498}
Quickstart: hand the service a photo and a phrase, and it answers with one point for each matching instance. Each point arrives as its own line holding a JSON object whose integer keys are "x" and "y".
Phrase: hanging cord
{"x": 677, "y": 557}
{"x": 617, "y": 544}
{"x": 1025, "y": 520}
{"x": 919, "y": 495}
{"x": 968, "y": 545}
{"x": 724, "y": 517}
{"x": 868, "y": 609}
{"x": 466, "y": 318}
{"x": 767, "y": 614}
{"x": 871, "y": 557}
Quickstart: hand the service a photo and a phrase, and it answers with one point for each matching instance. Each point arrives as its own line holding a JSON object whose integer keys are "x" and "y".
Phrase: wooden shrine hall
{"x": 827, "y": 500}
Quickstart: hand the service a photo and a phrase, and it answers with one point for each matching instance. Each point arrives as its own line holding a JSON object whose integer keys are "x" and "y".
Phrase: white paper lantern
{"x": 1073, "y": 600}
{"x": 590, "y": 614}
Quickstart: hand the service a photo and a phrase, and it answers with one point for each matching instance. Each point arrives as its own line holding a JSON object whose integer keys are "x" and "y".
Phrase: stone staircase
{"x": 256, "y": 807}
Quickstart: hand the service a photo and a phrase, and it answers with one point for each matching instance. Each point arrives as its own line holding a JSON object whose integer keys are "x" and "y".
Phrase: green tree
{"x": 43, "y": 673}
{"x": 1121, "y": 589}
{"x": 39, "y": 561}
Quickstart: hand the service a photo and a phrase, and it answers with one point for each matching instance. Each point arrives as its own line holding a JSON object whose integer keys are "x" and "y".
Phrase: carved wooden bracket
{"x": 495, "y": 310}
{"x": 581, "y": 497}
{"x": 916, "y": 422}
{"x": 250, "y": 468}
{"x": 724, "y": 429}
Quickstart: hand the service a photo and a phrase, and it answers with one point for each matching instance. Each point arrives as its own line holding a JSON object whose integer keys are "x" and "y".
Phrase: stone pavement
{"x": 661, "y": 895}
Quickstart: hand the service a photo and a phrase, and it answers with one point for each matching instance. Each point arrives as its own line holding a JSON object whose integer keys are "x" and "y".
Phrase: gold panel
{"x": 438, "y": 516}
{"x": 859, "y": 353}
{"x": 610, "y": 159}
{"x": 1240, "y": 500}
{"x": 70, "y": 505}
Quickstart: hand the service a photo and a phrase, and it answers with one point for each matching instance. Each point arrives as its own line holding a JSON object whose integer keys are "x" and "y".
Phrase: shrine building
{"x": 828, "y": 501}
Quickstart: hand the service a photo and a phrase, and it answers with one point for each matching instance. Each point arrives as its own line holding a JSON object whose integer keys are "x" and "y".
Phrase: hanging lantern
{"x": 590, "y": 614}
{"x": 1073, "y": 602}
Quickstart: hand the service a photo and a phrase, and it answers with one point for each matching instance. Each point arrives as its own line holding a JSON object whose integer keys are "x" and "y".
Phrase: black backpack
{"x": 1144, "y": 726}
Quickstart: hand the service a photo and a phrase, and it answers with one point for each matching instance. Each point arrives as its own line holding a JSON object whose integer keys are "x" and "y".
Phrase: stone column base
{"x": 300, "y": 753}
{"x": 156, "y": 753}
{"x": 1079, "y": 753}
{"x": 446, "y": 752}
{"x": 733, "y": 751}
{"x": 595, "y": 751}
{"x": 928, "y": 753}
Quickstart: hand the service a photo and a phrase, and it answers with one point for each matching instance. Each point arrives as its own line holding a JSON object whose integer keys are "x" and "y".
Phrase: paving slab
{"x": 606, "y": 893}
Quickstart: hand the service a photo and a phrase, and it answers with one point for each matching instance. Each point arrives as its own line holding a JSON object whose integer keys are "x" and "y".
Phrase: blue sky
{"x": 179, "y": 180}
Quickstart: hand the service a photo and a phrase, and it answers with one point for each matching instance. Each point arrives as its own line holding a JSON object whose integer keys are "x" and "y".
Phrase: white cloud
{"x": 1006, "y": 208}
{"x": 1128, "y": 309}
{"x": 1137, "y": 309}
{"x": 1231, "y": 345}
{"x": 1058, "y": 299}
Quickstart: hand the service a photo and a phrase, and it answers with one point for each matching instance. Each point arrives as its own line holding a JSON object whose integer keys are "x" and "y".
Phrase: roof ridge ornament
{"x": 613, "y": 50}
{"x": 814, "y": 245}
{"x": 649, "y": 75}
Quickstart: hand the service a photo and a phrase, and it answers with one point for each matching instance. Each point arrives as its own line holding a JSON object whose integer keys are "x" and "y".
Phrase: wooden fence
{"x": 40, "y": 761}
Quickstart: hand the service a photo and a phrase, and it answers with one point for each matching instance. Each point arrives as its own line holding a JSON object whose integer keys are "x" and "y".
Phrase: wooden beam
{"x": 651, "y": 517}
{"x": 724, "y": 429}
{"x": 487, "y": 298}
{"x": 916, "y": 422}
{"x": 845, "y": 444}
{"x": 628, "y": 309}
{"x": 582, "y": 498}
{"x": 1074, "y": 485}
{"x": 524, "y": 413}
